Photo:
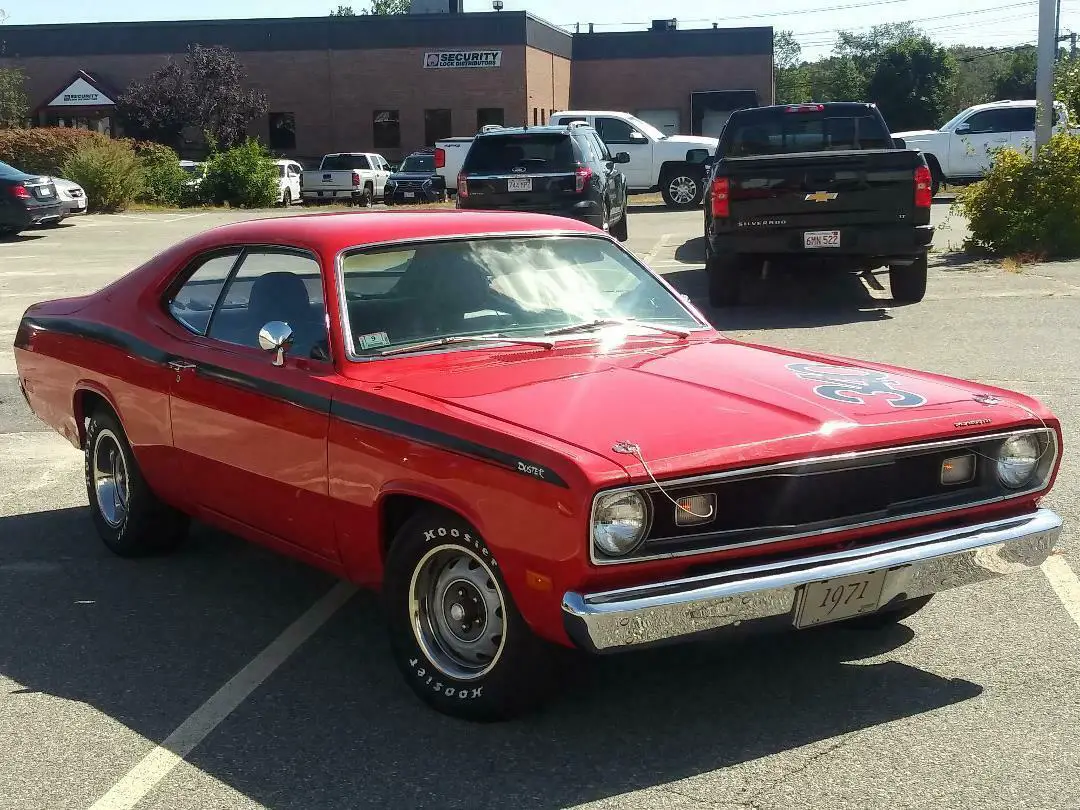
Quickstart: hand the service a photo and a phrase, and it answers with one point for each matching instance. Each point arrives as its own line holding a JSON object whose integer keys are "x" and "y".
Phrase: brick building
{"x": 395, "y": 84}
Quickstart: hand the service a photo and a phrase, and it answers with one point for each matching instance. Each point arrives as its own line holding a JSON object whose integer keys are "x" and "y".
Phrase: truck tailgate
{"x": 833, "y": 188}
{"x": 319, "y": 180}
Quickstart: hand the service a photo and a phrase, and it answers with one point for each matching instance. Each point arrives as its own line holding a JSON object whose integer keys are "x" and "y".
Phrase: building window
{"x": 487, "y": 116}
{"x": 386, "y": 129}
{"x": 282, "y": 130}
{"x": 536, "y": 116}
{"x": 437, "y": 126}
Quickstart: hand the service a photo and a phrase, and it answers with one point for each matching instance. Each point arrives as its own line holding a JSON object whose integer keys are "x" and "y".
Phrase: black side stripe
{"x": 352, "y": 414}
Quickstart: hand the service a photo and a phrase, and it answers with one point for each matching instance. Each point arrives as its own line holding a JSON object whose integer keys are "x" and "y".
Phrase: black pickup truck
{"x": 815, "y": 185}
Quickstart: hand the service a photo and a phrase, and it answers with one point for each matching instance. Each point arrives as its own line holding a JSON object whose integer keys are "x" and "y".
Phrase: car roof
{"x": 1006, "y": 103}
{"x": 8, "y": 172}
{"x": 592, "y": 112}
{"x": 331, "y": 232}
{"x": 542, "y": 129}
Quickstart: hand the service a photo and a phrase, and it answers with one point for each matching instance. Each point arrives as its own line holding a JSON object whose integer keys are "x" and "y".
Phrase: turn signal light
{"x": 462, "y": 186}
{"x": 924, "y": 187}
{"x": 718, "y": 197}
{"x": 22, "y": 192}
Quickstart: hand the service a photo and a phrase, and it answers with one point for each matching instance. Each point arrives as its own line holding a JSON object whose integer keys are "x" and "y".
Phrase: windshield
{"x": 646, "y": 128}
{"x": 192, "y": 168}
{"x": 513, "y": 286}
{"x": 775, "y": 132}
{"x": 534, "y": 152}
{"x": 344, "y": 163}
{"x": 418, "y": 163}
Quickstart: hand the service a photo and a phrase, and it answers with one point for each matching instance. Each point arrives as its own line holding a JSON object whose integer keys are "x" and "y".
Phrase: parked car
{"x": 415, "y": 181}
{"x": 527, "y": 440}
{"x": 71, "y": 195}
{"x": 816, "y": 186}
{"x": 289, "y": 172}
{"x": 962, "y": 150}
{"x": 357, "y": 178}
{"x": 195, "y": 170}
{"x": 450, "y": 156}
{"x": 657, "y": 161}
{"x": 26, "y": 200}
{"x": 564, "y": 170}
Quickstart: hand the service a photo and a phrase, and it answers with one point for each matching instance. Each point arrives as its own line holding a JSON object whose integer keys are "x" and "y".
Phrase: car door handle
{"x": 181, "y": 365}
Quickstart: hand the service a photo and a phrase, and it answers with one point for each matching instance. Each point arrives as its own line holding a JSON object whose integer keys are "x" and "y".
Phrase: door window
{"x": 600, "y": 146}
{"x": 273, "y": 284}
{"x": 194, "y": 302}
{"x": 1021, "y": 119}
{"x": 612, "y": 130}
{"x": 989, "y": 122}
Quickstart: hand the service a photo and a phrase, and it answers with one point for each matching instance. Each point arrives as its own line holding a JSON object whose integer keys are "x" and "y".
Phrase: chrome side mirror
{"x": 276, "y": 336}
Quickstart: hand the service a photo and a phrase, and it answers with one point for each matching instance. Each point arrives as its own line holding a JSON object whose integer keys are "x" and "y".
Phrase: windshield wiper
{"x": 590, "y": 326}
{"x": 450, "y": 340}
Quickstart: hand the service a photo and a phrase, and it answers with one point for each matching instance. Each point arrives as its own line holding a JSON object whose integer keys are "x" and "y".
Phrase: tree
{"x": 1067, "y": 85}
{"x": 1016, "y": 79}
{"x": 343, "y": 11}
{"x": 788, "y": 70}
{"x": 14, "y": 105}
{"x": 378, "y": 8}
{"x": 207, "y": 92}
{"x": 911, "y": 84}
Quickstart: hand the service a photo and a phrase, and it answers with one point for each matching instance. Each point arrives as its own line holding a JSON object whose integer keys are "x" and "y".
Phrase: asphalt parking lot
{"x": 974, "y": 702}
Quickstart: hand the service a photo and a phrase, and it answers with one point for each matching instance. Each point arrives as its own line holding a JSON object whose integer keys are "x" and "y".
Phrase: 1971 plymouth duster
{"x": 527, "y": 440}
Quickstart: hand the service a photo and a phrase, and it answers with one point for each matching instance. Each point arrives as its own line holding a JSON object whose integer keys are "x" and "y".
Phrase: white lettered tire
{"x": 455, "y": 633}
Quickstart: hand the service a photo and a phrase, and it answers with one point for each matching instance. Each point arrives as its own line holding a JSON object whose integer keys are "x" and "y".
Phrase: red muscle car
{"x": 527, "y": 440}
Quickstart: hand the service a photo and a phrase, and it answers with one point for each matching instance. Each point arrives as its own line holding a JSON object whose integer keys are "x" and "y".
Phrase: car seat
{"x": 283, "y": 296}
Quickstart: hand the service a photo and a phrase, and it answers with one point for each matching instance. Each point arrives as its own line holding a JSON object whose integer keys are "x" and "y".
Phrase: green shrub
{"x": 163, "y": 177}
{"x": 1027, "y": 207}
{"x": 110, "y": 173}
{"x": 45, "y": 150}
{"x": 242, "y": 177}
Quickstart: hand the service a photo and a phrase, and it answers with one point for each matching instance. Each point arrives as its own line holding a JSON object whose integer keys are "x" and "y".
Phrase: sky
{"x": 991, "y": 23}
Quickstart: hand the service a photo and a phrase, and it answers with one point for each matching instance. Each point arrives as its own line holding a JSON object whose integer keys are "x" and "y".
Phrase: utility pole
{"x": 1072, "y": 46}
{"x": 1044, "y": 80}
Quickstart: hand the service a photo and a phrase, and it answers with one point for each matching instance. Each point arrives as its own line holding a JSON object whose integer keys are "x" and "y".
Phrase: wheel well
{"x": 369, "y": 185}
{"x": 934, "y": 164}
{"x": 85, "y": 404}
{"x": 396, "y": 511}
{"x": 674, "y": 166}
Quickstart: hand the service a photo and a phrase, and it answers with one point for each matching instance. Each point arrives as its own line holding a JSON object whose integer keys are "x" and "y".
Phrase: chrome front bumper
{"x": 916, "y": 566}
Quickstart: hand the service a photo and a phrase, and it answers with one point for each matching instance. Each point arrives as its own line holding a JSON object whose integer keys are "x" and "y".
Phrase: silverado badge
{"x": 820, "y": 196}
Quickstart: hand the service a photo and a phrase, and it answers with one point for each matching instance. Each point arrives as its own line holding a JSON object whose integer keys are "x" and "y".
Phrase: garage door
{"x": 712, "y": 123}
{"x": 667, "y": 121}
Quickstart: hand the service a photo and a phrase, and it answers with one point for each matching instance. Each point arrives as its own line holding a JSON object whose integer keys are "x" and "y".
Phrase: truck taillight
{"x": 440, "y": 158}
{"x": 462, "y": 186}
{"x": 719, "y": 197}
{"x": 356, "y": 179}
{"x": 924, "y": 187}
{"x": 582, "y": 178}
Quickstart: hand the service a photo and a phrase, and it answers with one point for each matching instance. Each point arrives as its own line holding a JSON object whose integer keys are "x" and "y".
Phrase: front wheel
{"x": 286, "y": 198}
{"x": 908, "y": 282}
{"x": 681, "y": 189}
{"x": 620, "y": 230}
{"x": 128, "y": 516}
{"x": 455, "y": 633}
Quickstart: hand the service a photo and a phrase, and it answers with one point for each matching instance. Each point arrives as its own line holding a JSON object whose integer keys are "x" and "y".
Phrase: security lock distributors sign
{"x": 463, "y": 59}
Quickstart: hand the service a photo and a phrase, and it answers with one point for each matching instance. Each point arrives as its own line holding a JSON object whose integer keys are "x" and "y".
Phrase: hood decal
{"x": 854, "y": 386}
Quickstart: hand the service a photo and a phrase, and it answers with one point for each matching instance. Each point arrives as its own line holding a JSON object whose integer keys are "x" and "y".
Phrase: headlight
{"x": 1017, "y": 460}
{"x": 620, "y": 521}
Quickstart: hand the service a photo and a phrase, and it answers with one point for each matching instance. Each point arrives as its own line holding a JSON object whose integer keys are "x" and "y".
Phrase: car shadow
{"x": 25, "y": 236}
{"x": 145, "y": 642}
{"x": 788, "y": 297}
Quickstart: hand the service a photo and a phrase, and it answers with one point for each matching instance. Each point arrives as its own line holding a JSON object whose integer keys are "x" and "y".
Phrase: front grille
{"x": 409, "y": 185}
{"x": 789, "y": 500}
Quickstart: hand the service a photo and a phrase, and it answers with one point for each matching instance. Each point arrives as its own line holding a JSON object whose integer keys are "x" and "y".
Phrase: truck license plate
{"x": 519, "y": 184}
{"x": 834, "y": 599}
{"x": 821, "y": 239}
{"x": 410, "y": 194}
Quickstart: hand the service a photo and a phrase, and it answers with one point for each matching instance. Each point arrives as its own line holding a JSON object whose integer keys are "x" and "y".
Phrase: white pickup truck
{"x": 657, "y": 161}
{"x": 962, "y": 150}
{"x": 354, "y": 177}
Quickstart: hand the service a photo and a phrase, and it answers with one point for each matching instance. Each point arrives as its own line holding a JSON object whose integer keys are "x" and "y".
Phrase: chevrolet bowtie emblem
{"x": 820, "y": 196}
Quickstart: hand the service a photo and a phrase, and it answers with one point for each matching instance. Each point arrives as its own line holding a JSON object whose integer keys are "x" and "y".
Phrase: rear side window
{"x": 194, "y": 301}
{"x": 778, "y": 132}
{"x": 499, "y": 154}
{"x": 343, "y": 163}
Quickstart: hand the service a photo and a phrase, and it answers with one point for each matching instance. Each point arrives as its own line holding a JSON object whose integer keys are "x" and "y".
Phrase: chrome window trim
{"x": 343, "y": 308}
{"x": 749, "y": 472}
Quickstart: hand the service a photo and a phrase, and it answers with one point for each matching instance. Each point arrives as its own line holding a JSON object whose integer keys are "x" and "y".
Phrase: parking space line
{"x": 1065, "y": 584}
{"x": 156, "y": 765}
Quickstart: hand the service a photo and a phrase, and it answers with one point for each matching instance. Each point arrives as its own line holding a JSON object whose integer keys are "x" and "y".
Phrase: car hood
{"x": 396, "y": 176}
{"x": 692, "y": 140}
{"x": 707, "y": 404}
{"x": 916, "y": 133}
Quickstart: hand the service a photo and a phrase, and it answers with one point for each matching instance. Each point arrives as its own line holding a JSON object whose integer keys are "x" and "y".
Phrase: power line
{"x": 934, "y": 29}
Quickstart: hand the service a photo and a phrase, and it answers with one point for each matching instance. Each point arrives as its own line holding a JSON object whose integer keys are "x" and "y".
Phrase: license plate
{"x": 821, "y": 239}
{"x": 832, "y": 600}
{"x": 519, "y": 184}
{"x": 44, "y": 193}
{"x": 410, "y": 194}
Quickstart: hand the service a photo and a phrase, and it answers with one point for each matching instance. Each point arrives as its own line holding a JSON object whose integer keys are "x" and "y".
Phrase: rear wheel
{"x": 368, "y": 198}
{"x": 908, "y": 282}
{"x": 129, "y": 517}
{"x": 620, "y": 230}
{"x": 455, "y": 633}
{"x": 286, "y": 198}
{"x": 726, "y": 274}
{"x": 680, "y": 188}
